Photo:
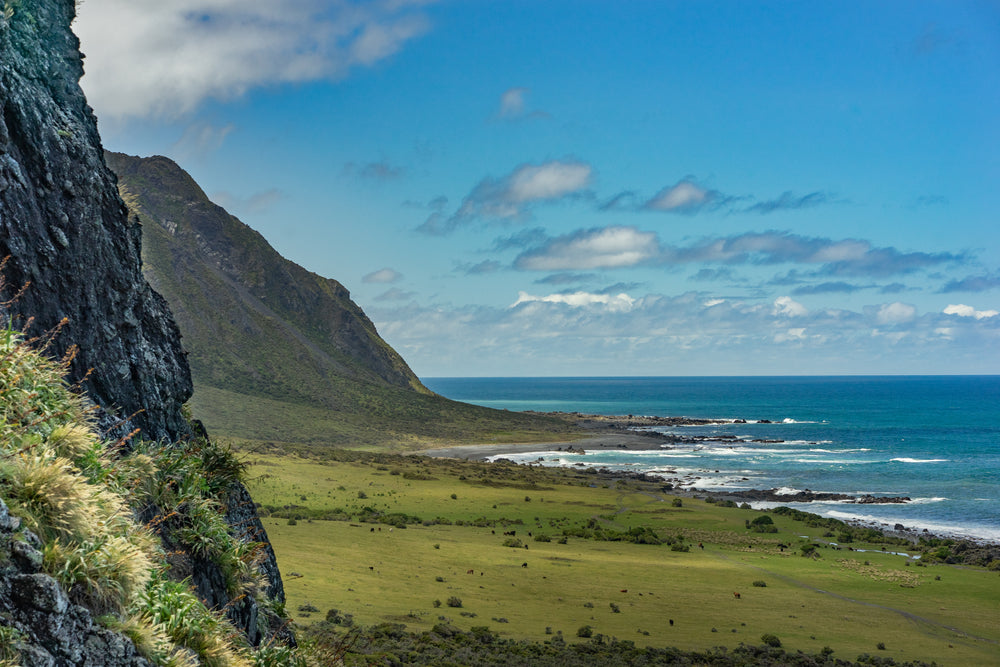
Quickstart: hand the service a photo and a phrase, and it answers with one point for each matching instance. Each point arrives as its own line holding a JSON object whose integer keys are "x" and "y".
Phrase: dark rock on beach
{"x": 806, "y": 496}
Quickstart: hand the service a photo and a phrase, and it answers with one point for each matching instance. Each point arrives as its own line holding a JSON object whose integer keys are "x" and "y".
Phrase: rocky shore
{"x": 623, "y": 432}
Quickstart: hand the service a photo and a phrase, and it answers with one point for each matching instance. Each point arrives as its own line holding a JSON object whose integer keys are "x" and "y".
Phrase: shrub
{"x": 615, "y": 609}
{"x": 541, "y": 537}
{"x": 585, "y": 632}
{"x": 762, "y": 524}
{"x": 760, "y": 583}
{"x": 676, "y": 502}
{"x": 771, "y": 640}
{"x": 513, "y": 543}
{"x": 454, "y": 601}
{"x": 454, "y": 496}
{"x": 880, "y": 646}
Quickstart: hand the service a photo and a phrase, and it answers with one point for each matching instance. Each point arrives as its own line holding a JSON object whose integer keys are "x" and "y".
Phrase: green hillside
{"x": 277, "y": 352}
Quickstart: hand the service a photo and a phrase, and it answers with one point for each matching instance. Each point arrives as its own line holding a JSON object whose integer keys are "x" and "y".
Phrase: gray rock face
{"x": 65, "y": 230}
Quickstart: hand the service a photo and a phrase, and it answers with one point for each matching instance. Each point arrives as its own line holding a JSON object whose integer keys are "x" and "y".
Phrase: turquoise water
{"x": 935, "y": 439}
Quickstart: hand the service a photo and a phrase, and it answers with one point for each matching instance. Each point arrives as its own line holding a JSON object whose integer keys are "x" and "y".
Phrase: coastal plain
{"x": 421, "y": 541}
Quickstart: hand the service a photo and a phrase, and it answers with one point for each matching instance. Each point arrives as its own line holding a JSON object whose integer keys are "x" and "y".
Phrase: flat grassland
{"x": 416, "y": 540}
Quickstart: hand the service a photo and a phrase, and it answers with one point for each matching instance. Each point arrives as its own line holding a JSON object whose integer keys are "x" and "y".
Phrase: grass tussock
{"x": 82, "y": 495}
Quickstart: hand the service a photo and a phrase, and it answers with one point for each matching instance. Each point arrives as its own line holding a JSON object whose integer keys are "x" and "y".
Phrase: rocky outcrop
{"x": 67, "y": 233}
{"x": 807, "y": 496}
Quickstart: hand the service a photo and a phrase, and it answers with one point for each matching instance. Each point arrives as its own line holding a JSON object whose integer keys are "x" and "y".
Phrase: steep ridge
{"x": 68, "y": 237}
{"x": 267, "y": 337}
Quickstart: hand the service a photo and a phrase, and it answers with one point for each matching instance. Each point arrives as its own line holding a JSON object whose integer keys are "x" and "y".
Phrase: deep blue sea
{"x": 935, "y": 439}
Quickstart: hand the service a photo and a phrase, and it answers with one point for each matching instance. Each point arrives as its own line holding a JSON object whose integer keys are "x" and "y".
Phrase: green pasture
{"x": 848, "y": 600}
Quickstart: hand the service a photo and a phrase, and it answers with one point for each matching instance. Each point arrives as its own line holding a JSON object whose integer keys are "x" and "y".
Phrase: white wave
{"x": 840, "y": 451}
{"x": 924, "y": 501}
{"x": 959, "y": 530}
{"x": 787, "y": 491}
{"x": 833, "y": 461}
{"x": 904, "y": 459}
{"x": 789, "y": 420}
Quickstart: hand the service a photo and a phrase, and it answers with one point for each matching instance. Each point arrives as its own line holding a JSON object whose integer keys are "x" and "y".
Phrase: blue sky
{"x": 596, "y": 188}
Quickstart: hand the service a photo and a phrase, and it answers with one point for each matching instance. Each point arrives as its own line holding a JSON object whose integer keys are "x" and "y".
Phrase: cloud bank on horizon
{"x": 647, "y": 189}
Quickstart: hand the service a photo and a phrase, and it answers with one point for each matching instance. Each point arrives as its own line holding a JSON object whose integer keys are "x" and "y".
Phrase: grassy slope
{"x": 837, "y": 600}
{"x": 279, "y": 353}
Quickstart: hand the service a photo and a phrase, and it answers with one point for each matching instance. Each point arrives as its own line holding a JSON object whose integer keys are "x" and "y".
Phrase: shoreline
{"x": 614, "y": 433}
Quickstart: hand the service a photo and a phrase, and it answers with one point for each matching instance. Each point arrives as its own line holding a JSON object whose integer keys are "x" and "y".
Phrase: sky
{"x": 583, "y": 188}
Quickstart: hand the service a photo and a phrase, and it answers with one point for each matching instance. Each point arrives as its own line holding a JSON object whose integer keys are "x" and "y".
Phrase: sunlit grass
{"x": 847, "y": 600}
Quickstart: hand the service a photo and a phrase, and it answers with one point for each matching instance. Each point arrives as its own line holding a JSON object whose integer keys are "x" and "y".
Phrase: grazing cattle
{"x": 494, "y": 532}
{"x": 373, "y": 530}
{"x": 524, "y": 565}
{"x": 701, "y": 546}
{"x": 371, "y": 567}
{"x": 671, "y": 621}
{"x": 471, "y": 572}
{"x": 736, "y": 595}
{"x": 625, "y": 590}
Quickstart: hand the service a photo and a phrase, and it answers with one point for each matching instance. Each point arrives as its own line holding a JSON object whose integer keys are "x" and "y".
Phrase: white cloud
{"x": 155, "y": 58}
{"x": 796, "y": 334}
{"x": 385, "y": 275}
{"x": 602, "y": 248}
{"x": 962, "y": 310}
{"x": 551, "y": 180}
{"x": 684, "y": 196}
{"x": 789, "y": 307}
{"x": 657, "y": 334}
{"x": 895, "y": 313}
{"x": 512, "y": 103}
{"x": 614, "y": 302}
{"x": 510, "y": 197}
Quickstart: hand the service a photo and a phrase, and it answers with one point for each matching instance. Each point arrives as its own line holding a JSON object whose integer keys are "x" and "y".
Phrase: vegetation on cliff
{"x": 74, "y": 501}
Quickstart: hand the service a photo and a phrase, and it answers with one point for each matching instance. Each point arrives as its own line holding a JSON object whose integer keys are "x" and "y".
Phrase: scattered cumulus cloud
{"x": 385, "y": 275}
{"x": 164, "y": 59}
{"x": 895, "y": 313}
{"x": 685, "y": 196}
{"x": 695, "y": 333}
{"x": 626, "y": 246}
{"x": 963, "y": 310}
{"x": 511, "y": 197}
{"x": 614, "y": 302}
{"x": 973, "y": 284}
{"x": 786, "y": 306}
{"x": 600, "y": 248}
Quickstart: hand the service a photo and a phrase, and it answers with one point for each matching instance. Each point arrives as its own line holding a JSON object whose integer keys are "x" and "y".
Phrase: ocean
{"x": 935, "y": 439}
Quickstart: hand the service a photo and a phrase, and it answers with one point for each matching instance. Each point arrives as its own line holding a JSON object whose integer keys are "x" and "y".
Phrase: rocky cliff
{"x": 67, "y": 232}
{"x": 71, "y": 244}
